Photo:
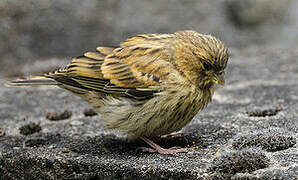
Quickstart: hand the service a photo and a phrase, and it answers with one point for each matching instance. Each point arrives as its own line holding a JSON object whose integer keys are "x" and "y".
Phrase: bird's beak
{"x": 219, "y": 79}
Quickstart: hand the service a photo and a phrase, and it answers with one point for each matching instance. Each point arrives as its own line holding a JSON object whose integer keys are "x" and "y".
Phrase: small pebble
{"x": 30, "y": 128}
{"x": 265, "y": 112}
{"x": 76, "y": 123}
{"x": 34, "y": 141}
{"x": 51, "y": 147}
{"x": 191, "y": 154}
{"x": 89, "y": 112}
{"x": 66, "y": 150}
{"x": 55, "y": 116}
{"x": 2, "y": 133}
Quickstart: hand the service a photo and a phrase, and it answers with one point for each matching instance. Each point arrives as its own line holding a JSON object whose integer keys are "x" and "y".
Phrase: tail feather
{"x": 32, "y": 81}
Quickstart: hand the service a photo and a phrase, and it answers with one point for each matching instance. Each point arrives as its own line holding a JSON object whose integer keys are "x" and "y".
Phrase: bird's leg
{"x": 160, "y": 150}
{"x": 168, "y": 137}
{"x": 176, "y": 136}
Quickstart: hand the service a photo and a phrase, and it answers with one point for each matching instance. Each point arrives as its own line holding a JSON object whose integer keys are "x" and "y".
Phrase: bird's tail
{"x": 32, "y": 81}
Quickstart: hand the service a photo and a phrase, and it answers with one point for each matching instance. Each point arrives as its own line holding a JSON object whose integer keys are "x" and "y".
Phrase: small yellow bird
{"x": 152, "y": 85}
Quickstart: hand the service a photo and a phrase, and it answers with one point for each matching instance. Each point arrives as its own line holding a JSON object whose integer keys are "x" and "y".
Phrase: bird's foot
{"x": 170, "y": 151}
{"x": 160, "y": 150}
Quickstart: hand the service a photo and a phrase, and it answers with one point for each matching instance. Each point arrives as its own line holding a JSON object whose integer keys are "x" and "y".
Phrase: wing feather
{"x": 84, "y": 74}
{"x": 141, "y": 61}
{"x": 137, "y": 68}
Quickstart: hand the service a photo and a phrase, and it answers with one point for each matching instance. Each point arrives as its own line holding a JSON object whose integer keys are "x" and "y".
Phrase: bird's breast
{"x": 178, "y": 109}
{"x": 189, "y": 106}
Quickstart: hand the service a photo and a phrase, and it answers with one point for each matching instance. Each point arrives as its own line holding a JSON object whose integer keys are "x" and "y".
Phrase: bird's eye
{"x": 207, "y": 66}
{"x": 221, "y": 73}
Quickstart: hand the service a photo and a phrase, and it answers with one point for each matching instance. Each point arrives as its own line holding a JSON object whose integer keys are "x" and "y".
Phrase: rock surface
{"x": 249, "y": 131}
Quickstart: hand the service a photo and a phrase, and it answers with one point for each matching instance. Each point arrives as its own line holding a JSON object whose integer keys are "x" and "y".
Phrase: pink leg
{"x": 169, "y": 137}
{"x": 160, "y": 150}
{"x": 173, "y": 136}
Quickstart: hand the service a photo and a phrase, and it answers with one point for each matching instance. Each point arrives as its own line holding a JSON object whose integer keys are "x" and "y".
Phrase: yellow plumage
{"x": 153, "y": 84}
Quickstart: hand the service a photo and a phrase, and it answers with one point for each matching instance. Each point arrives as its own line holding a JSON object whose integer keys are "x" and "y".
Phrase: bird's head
{"x": 201, "y": 58}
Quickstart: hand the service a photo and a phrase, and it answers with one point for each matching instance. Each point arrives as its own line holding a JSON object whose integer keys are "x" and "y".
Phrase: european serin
{"x": 152, "y": 85}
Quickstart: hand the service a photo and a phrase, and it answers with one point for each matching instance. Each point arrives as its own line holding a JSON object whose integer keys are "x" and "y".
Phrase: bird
{"x": 149, "y": 86}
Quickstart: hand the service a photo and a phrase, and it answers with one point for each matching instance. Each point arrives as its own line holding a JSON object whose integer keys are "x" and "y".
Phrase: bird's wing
{"x": 136, "y": 69}
{"x": 141, "y": 62}
{"x": 84, "y": 74}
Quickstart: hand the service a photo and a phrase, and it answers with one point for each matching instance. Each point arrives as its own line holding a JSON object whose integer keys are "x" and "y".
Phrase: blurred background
{"x": 33, "y": 33}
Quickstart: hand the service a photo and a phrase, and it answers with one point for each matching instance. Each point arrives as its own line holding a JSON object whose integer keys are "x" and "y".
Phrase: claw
{"x": 160, "y": 150}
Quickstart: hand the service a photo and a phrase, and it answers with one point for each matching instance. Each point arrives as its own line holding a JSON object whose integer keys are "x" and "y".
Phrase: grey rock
{"x": 244, "y": 161}
{"x": 268, "y": 139}
{"x": 258, "y": 79}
